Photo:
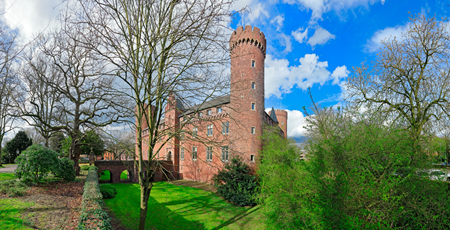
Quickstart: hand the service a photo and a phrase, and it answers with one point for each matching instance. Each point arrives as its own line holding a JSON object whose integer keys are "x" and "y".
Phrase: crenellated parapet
{"x": 248, "y": 36}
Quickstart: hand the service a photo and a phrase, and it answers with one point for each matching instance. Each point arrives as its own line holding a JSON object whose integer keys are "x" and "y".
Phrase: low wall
{"x": 92, "y": 216}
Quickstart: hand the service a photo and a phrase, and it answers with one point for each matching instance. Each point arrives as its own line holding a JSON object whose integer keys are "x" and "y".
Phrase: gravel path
{"x": 8, "y": 168}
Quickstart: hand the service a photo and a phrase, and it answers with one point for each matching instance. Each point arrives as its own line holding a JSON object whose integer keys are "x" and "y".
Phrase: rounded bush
{"x": 35, "y": 163}
{"x": 108, "y": 191}
{"x": 84, "y": 167}
{"x": 236, "y": 184}
{"x": 65, "y": 169}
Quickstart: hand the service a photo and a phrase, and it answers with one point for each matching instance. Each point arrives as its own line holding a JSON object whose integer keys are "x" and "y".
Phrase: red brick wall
{"x": 282, "y": 120}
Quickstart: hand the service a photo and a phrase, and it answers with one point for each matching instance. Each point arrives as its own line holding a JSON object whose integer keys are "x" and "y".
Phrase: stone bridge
{"x": 162, "y": 170}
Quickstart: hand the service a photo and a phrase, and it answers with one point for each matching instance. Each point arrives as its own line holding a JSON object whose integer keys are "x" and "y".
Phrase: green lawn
{"x": 179, "y": 207}
{"x": 10, "y": 214}
{"x": 6, "y": 176}
{"x": 107, "y": 175}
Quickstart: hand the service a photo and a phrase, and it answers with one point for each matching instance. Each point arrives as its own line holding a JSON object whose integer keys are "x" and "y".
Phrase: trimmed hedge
{"x": 92, "y": 215}
{"x": 108, "y": 191}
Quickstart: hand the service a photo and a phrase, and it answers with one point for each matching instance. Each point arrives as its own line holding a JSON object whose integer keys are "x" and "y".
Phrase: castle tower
{"x": 282, "y": 120}
{"x": 247, "y": 52}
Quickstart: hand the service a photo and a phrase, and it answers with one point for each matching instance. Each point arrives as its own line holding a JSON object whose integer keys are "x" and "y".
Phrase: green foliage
{"x": 236, "y": 184}
{"x": 65, "y": 169}
{"x": 108, "y": 191}
{"x": 91, "y": 140}
{"x": 349, "y": 179}
{"x": 92, "y": 215}
{"x": 124, "y": 175}
{"x": 84, "y": 167}
{"x": 18, "y": 144}
{"x": 35, "y": 163}
{"x": 11, "y": 214}
{"x": 13, "y": 188}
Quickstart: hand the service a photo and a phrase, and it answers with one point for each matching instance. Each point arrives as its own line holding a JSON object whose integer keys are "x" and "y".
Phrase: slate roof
{"x": 208, "y": 104}
{"x": 273, "y": 115}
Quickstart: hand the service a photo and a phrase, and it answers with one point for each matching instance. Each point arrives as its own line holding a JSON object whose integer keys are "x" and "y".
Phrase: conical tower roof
{"x": 273, "y": 115}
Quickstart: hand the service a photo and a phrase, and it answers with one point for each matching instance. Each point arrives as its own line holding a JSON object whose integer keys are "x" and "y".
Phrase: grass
{"x": 106, "y": 175}
{"x": 179, "y": 207}
{"x": 10, "y": 214}
{"x": 6, "y": 176}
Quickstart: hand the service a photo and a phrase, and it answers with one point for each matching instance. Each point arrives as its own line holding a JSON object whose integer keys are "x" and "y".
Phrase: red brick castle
{"x": 224, "y": 126}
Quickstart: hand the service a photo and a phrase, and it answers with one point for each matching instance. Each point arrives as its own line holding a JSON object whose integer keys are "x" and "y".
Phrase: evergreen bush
{"x": 65, "y": 169}
{"x": 84, "y": 167}
{"x": 35, "y": 163}
{"x": 108, "y": 191}
{"x": 235, "y": 183}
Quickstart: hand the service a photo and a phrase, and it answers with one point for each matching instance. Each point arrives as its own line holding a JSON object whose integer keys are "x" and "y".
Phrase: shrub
{"x": 236, "y": 184}
{"x": 108, "y": 191}
{"x": 13, "y": 188}
{"x": 92, "y": 216}
{"x": 35, "y": 163}
{"x": 84, "y": 167}
{"x": 65, "y": 169}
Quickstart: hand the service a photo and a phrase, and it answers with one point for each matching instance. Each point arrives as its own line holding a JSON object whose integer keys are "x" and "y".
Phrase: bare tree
{"x": 411, "y": 76}
{"x": 9, "y": 83}
{"x": 40, "y": 103}
{"x": 158, "y": 48}
{"x": 74, "y": 73}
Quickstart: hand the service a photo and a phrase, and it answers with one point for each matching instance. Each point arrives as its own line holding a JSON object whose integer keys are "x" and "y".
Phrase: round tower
{"x": 247, "y": 52}
{"x": 282, "y": 120}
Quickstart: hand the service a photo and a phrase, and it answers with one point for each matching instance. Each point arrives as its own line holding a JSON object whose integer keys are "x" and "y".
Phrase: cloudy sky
{"x": 310, "y": 43}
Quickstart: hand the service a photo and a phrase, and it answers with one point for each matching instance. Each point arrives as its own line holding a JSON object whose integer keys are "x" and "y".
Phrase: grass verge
{"x": 6, "y": 176}
{"x": 179, "y": 207}
{"x": 10, "y": 214}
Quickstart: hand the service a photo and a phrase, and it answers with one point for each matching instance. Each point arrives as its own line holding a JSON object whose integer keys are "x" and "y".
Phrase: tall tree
{"x": 410, "y": 78}
{"x": 18, "y": 144}
{"x": 9, "y": 83}
{"x": 56, "y": 141}
{"x": 85, "y": 96}
{"x": 159, "y": 47}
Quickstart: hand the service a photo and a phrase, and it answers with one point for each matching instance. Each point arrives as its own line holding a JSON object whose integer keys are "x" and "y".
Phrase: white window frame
{"x": 194, "y": 153}
{"x": 253, "y": 63}
{"x": 253, "y": 85}
{"x": 209, "y": 130}
{"x": 225, "y": 153}
{"x": 253, "y": 106}
{"x": 209, "y": 112}
{"x": 219, "y": 109}
{"x": 194, "y": 132}
{"x": 253, "y": 130}
{"x": 209, "y": 153}
{"x": 182, "y": 154}
{"x": 252, "y": 158}
{"x": 225, "y": 127}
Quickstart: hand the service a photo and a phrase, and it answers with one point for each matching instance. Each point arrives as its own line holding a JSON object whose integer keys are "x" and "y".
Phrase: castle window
{"x": 253, "y": 85}
{"x": 194, "y": 153}
{"x": 182, "y": 136}
{"x": 219, "y": 109}
{"x": 253, "y": 130}
{"x": 182, "y": 154}
{"x": 253, "y": 63}
{"x": 225, "y": 127}
{"x": 209, "y": 129}
{"x": 253, "y": 106}
{"x": 200, "y": 114}
{"x": 224, "y": 153}
{"x": 194, "y": 132}
{"x": 209, "y": 153}
{"x": 208, "y": 112}
{"x": 252, "y": 158}
{"x": 282, "y": 122}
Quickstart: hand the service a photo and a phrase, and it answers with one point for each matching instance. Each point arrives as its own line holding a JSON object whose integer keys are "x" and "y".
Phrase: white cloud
{"x": 319, "y": 7}
{"x": 29, "y": 17}
{"x": 256, "y": 11}
{"x": 321, "y": 36}
{"x": 278, "y": 21}
{"x": 295, "y": 124}
{"x": 299, "y": 35}
{"x": 280, "y": 78}
{"x": 390, "y": 32}
{"x": 286, "y": 42}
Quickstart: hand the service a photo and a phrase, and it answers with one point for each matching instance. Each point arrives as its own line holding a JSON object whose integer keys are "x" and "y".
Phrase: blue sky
{"x": 309, "y": 42}
{"x": 317, "y": 42}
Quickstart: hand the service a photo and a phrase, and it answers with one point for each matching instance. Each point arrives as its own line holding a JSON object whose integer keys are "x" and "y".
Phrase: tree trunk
{"x": 1, "y": 151}
{"x": 46, "y": 142}
{"x": 75, "y": 156}
{"x": 145, "y": 194}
